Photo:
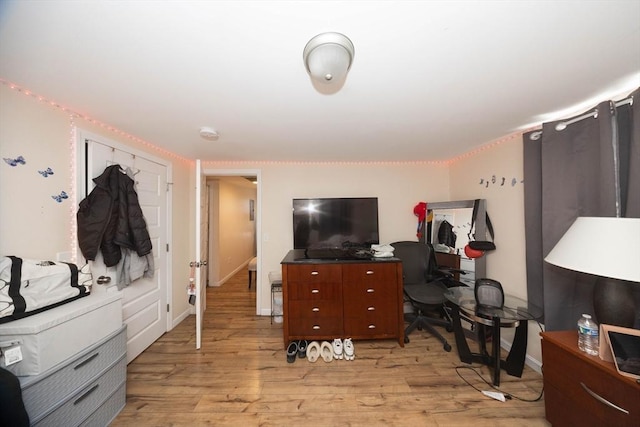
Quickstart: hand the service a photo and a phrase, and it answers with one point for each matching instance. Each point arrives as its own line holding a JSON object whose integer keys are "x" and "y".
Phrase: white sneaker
{"x": 337, "y": 348}
{"x": 349, "y": 350}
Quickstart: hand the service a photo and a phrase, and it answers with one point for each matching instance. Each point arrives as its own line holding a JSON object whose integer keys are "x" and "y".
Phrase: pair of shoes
{"x": 326, "y": 351}
{"x": 313, "y": 351}
{"x": 302, "y": 349}
{"x": 337, "y": 348}
{"x": 349, "y": 350}
{"x": 292, "y": 351}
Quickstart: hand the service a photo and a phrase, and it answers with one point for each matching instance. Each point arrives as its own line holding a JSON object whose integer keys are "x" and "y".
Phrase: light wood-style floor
{"x": 240, "y": 377}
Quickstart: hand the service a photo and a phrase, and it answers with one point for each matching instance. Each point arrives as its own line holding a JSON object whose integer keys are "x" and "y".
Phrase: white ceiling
{"x": 431, "y": 80}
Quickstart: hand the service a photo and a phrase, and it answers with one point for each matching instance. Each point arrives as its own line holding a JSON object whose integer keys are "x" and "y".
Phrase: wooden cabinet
{"x": 342, "y": 299}
{"x": 584, "y": 390}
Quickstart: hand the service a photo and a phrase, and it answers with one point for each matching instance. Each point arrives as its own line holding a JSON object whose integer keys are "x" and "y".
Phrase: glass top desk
{"x": 515, "y": 313}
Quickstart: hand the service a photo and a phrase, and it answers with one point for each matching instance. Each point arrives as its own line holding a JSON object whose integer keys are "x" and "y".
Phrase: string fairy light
{"x": 171, "y": 154}
{"x": 73, "y": 197}
{"x": 93, "y": 121}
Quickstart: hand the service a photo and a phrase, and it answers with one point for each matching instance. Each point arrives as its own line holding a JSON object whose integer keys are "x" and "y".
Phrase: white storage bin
{"x": 50, "y": 337}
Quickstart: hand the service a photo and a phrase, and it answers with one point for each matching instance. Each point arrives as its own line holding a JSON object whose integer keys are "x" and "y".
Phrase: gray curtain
{"x": 570, "y": 173}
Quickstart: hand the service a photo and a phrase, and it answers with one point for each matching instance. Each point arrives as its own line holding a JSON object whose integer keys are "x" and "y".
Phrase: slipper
{"x": 292, "y": 350}
{"x": 302, "y": 348}
{"x": 313, "y": 351}
{"x": 326, "y": 351}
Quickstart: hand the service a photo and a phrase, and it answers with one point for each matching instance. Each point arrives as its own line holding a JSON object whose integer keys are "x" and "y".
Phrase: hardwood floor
{"x": 240, "y": 377}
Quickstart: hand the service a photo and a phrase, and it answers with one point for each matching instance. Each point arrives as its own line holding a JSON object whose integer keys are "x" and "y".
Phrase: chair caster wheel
{"x": 406, "y": 340}
{"x": 447, "y": 347}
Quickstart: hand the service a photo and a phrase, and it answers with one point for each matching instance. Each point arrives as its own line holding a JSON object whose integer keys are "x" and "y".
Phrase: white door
{"x": 201, "y": 262}
{"x": 144, "y": 302}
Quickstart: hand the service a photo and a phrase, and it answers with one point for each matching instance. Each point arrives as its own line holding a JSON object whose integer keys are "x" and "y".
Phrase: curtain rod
{"x": 594, "y": 113}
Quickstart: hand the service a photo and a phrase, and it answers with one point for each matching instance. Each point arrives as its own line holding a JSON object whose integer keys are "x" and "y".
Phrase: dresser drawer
{"x": 315, "y": 309}
{"x": 40, "y": 393}
{"x": 369, "y": 273}
{"x": 88, "y": 399}
{"x": 315, "y": 273}
{"x": 109, "y": 410}
{"x": 576, "y": 378}
{"x": 309, "y": 325}
{"x": 375, "y": 323}
{"x": 304, "y": 291}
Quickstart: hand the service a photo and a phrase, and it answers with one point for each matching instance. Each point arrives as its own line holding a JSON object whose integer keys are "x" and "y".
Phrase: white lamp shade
{"x": 328, "y": 57}
{"x": 607, "y": 247}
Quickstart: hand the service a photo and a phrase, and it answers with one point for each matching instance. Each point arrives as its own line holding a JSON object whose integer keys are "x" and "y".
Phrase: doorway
{"x": 234, "y": 211}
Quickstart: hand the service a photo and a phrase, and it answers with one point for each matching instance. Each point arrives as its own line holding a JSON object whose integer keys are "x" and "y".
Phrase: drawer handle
{"x": 371, "y": 309}
{"x": 372, "y": 326}
{"x": 84, "y": 396}
{"x": 314, "y": 273}
{"x": 84, "y": 362}
{"x": 603, "y": 400}
{"x": 315, "y": 309}
{"x": 316, "y": 327}
{"x": 369, "y": 272}
{"x": 315, "y": 291}
{"x": 370, "y": 291}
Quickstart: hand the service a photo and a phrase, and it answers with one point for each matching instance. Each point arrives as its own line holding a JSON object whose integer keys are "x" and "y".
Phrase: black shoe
{"x": 292, "y": 350}
{"x": 302, "y": 349}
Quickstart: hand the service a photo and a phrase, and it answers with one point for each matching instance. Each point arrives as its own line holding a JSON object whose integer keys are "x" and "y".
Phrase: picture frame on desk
{"x": 621, "y": 346}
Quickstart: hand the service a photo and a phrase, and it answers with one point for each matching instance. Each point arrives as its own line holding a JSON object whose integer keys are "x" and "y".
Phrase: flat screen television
{"x": 335, "y": 223}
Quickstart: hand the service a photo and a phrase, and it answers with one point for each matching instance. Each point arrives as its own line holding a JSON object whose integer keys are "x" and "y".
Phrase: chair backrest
{"x": 418, "y": 261}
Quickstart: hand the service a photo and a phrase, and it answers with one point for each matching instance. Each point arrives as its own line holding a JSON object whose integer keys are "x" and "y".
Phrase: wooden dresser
{"x": 327, "y": 299}
{"x": 583, "y": 390}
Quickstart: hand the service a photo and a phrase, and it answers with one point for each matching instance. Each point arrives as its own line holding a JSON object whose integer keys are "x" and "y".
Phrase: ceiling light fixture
{"x": 209, "y": 134}
{"x": 328, "y": 57}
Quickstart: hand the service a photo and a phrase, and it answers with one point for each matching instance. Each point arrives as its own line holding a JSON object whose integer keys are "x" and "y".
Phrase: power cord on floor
{"x": 507, "y": 396}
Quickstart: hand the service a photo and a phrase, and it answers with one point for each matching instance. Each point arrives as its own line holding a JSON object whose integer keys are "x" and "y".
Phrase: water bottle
{"x": 588, "y": 335}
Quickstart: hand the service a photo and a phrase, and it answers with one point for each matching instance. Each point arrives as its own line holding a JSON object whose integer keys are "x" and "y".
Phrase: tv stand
{"x": 341, "y": 298}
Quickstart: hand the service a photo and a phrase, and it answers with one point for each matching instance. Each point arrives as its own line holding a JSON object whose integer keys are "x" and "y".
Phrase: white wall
{"x": 32, "y": 223}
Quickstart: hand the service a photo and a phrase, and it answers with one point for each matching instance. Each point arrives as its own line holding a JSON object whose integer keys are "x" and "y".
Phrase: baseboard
{"x": 530, "y": 361}
{"x": 230, "y": 275}
{"x": 181, "y": 317}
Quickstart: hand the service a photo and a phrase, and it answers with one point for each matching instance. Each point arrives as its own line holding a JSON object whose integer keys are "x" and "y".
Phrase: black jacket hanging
{"x": 110, "y": 218}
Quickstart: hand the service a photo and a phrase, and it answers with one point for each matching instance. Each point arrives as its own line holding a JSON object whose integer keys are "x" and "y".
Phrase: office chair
{"x": 424, "y": 287}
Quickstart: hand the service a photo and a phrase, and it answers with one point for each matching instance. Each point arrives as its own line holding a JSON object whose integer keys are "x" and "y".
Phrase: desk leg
{"x": 461, "y": 342}
{"x": 515, "y": 359}
{"x": 495, "y": 350}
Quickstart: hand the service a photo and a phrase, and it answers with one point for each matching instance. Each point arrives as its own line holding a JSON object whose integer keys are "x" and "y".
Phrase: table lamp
{"x": 610, "y": 249}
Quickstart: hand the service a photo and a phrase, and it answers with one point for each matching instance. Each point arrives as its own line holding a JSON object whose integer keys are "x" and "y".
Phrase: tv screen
{"x": 329, "y": 223}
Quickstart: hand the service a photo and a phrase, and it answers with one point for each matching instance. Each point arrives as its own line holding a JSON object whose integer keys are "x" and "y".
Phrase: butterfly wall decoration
{"x": 60, "y": 197}
{"x": 45, "y": 173}
{"x": 15, "y": 162}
